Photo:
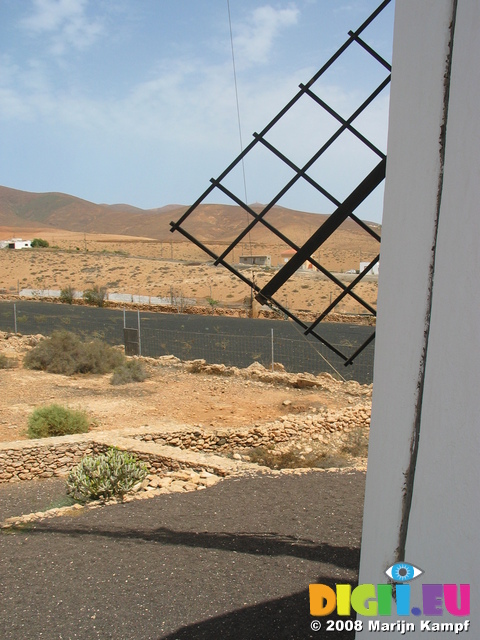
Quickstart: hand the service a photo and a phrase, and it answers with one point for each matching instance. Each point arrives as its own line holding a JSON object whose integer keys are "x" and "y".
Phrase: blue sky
{"x": 133, "y": 101}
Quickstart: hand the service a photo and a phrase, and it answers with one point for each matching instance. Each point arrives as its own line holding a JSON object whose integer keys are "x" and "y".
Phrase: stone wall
{"x": 26, "y": 460}
{"x": 289, "y": 428}
{"x": 49, "y": 457}
{"x": 172, "y": 448}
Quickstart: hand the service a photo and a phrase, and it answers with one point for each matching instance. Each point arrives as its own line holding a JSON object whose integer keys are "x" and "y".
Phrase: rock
{"x": 255, "y": 367}
{"x": 181, "y": 475}
{"x": 209, "y": 482}
{"x": 142, "y": 496}
{"x": 154, "y": 481}
{"x": 156, "y": 492}
{"x": 177, "y": 485}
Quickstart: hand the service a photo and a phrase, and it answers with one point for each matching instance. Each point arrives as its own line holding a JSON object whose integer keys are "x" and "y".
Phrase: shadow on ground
{"x": 268, "y": 544}
{"x": 281, "y": 619}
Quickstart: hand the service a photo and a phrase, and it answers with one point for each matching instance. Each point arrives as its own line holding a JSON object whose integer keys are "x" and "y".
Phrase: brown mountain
{"x": 209, "y": 222}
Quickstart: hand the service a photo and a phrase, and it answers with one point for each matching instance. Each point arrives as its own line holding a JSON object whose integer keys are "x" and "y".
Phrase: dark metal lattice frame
{"x": 344, "y": 209}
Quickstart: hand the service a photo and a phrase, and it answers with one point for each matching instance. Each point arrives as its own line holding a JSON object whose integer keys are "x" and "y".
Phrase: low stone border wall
{"x": 25, "y": 460}
{"x": 48, "y": 457}
{"x": 159, "y": 457}
{"x": 313, "y": 426}
{"x": 172, "y": 448}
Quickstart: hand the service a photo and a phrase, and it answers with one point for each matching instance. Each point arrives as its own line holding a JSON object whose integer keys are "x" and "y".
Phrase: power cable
{"x": 238, "y": 114}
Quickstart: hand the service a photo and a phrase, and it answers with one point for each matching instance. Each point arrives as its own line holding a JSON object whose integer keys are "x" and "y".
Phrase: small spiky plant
{"x": 111, "y": 474}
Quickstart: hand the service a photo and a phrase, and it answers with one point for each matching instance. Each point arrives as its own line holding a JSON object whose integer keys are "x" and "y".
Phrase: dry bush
{"x": 66, "y": 353}
{"x": 67, "y": 294}
{"x": 356, "y": 444}
{"x": 129, "y": 371}
{"x": 318, "y": 456}
{"x": 55, "y": 420}
{"x": 296, "y": 458}
{"x": 6, "y": 362}
{"x": 96, "y": 296}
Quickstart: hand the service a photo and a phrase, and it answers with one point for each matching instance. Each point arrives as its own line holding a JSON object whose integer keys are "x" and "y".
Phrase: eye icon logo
{"x": 403, "y": 572}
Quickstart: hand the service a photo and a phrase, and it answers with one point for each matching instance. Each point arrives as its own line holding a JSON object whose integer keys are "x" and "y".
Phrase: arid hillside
{"x": 128, "y": 250}
{"x": 210, "y": 222}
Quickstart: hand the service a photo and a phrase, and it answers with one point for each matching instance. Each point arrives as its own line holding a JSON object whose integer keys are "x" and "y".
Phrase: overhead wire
{"x": 239, "y": 120}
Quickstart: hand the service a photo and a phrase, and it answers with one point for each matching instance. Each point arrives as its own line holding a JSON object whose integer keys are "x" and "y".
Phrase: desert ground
{"x": 171, "y": 395}
{"x": 147, "y": 267}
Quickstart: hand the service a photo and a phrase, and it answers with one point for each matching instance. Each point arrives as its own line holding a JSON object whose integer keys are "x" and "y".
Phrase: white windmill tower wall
{"x": 427, "y": 360}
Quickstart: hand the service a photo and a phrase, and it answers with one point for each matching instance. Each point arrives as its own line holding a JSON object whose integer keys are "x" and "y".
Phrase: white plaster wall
{"x": 444, "y": 522}
{"x": 416, "y": 104}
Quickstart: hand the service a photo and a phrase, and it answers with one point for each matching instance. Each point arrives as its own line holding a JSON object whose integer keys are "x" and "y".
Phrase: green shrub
{"x": 213, "y": 303}
{"x": 66, "y": 353}
{"x": 129, "y": 371}
{"x": 40, "y": 242}
{"x": 6, "y": 362}
{"x": 55, "y": 420}
{"x": 104, "y": 476}
{"x": 96, "y": 296}
{"x": 67, "y": 294}
{"x": 295, "y": 458}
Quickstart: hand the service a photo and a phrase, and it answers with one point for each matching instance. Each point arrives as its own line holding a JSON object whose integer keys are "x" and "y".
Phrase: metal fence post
{"x": 139, "y": 335}
{"x": 15, "y": 316}
{"x": 273, "y": 357}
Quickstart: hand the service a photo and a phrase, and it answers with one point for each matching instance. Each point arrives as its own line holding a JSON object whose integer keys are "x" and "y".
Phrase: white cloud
{"x": 183, "y": 114}
{"x": 65, "y": 21}
{"x": 255, "y": 37}
{"x": 185, "y": 103}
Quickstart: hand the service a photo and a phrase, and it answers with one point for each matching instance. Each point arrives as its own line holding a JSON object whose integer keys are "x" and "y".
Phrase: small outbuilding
{"x": 18, "y": 243}
{"x": 373, "y": 271}
{"x": 259, "y": 261}
{"x": 306, "y": 266}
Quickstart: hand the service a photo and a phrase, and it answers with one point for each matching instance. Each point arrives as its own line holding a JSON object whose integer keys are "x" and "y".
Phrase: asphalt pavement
{"x": 233, "y": 561}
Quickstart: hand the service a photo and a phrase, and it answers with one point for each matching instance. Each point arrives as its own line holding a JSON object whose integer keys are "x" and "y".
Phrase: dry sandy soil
{"x": 142, "y": 266}
{"x": 169, "y": 394}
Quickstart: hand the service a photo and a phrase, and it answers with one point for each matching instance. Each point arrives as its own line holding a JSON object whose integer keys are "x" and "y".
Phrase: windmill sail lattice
{"x": 344, "y": 207}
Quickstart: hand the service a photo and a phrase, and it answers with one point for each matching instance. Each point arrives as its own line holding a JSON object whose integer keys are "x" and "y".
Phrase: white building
{"x": 18, "y": 243}
{"x": 373, "y": 271}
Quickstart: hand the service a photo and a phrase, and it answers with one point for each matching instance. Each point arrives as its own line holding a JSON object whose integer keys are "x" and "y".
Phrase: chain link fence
{"x": 43, "y": 318}
{"x": 137, "y": 332}
{"x": 297, "y": 356}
